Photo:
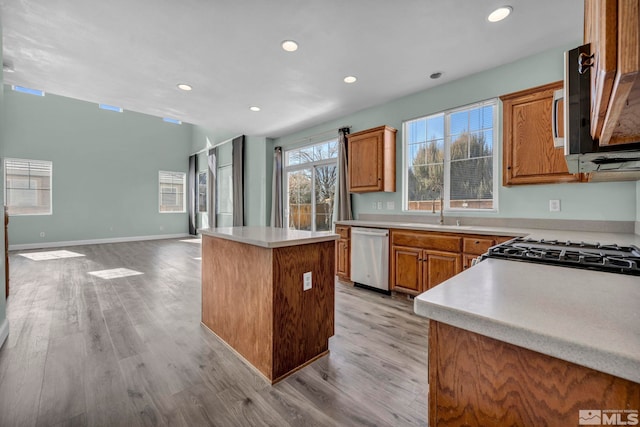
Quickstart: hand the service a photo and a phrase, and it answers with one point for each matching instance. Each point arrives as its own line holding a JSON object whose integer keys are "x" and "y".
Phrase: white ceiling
{"x": 132, "y": 53}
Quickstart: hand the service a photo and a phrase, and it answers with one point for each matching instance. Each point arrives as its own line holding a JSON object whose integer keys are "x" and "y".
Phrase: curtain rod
{"x": 215, "y": 145}
{"x": 310, "y": 137}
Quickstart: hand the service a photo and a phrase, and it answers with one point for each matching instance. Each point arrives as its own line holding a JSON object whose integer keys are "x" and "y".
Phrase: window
{"x": 27, "y": 186}
{"x": 202, "y": 192}
{"x": 310, "y": 181}
{"x": 172, "y": 185}
{"x": 451, "y": 156}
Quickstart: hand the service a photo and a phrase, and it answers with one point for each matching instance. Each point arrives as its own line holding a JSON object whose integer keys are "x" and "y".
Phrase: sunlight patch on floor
{"x": 115, "y": 273}
{"x": 48, "y": 255}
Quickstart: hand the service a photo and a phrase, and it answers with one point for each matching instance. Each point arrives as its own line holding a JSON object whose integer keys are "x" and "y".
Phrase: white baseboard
{"x": 4, "y": 331}
{"x": 45, "y": 245}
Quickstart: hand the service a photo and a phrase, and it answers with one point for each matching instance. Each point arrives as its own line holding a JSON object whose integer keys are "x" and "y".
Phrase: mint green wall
{"x": 105, "y": 168}
{"x": 610, "y": 201}
{"x": 3, "y": 314}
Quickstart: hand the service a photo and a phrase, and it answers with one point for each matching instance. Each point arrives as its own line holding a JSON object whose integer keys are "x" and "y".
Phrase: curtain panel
{"x": 193, "y": 194}
{"x": 342, "y": 206}
{"x": 211, "y": 183}
{"x": 237, "y": 168}
{"x": 277, "y": 202}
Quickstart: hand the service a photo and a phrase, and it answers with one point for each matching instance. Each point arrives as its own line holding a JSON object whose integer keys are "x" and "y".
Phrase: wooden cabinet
{"x": 422, "y": 260}
{"x": 612, "y": 28}
{"x": 343, "y": 252}
{"x": 372, "y": 160}
{"x": 473, "y": 247}
{"x": 529, "y": 156}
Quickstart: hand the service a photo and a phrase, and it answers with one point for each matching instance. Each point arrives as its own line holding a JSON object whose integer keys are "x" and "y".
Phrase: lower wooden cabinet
{"x": 343, "y": 252}
{"x": 439, "y": 266}
{"x": 414, "y": 269}
{"x": 420, "y": 260}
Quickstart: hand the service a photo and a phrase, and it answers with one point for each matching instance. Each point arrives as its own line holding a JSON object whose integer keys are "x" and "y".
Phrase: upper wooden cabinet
{"x": 372, "y": 160}
{"x": 612, "y": 27}
{"x": 529, "y": 156}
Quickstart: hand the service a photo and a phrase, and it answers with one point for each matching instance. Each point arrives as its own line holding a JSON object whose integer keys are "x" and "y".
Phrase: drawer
{"x": 343, "y": 231}
{"x": 476, "y": 246}
{"x": 426, "y": 240}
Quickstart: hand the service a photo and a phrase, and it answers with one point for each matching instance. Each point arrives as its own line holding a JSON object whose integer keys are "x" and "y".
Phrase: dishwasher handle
{"x": 370, "y": 231}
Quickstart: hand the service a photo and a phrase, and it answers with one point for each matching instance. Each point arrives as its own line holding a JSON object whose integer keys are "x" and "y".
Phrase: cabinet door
{"x": 406, "y": 269}
{"x": 622, "y": 121}
{"x": 467, "y": 260}
{"x": 343, "y": 263}
{"x": 365, "y": 162}
{"x": 440, "y": 266}
{"x": 600, "y": 30}
{"x": 529, "y": 156}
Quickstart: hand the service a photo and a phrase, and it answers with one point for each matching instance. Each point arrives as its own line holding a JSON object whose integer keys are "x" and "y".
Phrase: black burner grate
{"x": 593, "y": 256}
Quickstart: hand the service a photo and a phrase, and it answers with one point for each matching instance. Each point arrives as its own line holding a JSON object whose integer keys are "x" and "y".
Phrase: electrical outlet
{"x": 374, "y": 205}
{"x": 391, "y": 206}
{"x": 379, "y": 204}
{"x": 306, "y": 281}
{"x": 554, "y": 205}
{"x": 42, "y": 234}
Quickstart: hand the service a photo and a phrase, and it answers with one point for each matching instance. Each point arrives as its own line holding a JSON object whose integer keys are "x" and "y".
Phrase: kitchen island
{"x": 253, "y": 295}
{"x": 516, "y": 343}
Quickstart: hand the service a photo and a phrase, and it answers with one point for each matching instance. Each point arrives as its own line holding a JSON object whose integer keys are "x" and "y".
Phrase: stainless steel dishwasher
{"x": 370, "y": 258}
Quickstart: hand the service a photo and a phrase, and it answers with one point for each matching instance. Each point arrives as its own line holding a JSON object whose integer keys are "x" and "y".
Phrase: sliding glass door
{"x": 310, "y": 184}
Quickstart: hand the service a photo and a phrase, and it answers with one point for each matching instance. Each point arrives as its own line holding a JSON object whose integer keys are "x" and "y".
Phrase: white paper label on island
{"x": 306, "y": 281}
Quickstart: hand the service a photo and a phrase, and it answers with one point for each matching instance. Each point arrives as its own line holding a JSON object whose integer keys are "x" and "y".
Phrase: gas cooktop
{"x": 592, "y": 256}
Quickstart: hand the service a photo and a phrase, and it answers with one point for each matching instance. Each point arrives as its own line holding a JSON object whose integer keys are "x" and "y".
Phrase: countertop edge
{"x": 271, "y": 244}
{"x": 584, "y": 355}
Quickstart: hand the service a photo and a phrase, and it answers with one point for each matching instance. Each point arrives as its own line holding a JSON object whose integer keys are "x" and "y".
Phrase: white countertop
{"x": 586, "y": 317}
{"x": 269, "y": 237}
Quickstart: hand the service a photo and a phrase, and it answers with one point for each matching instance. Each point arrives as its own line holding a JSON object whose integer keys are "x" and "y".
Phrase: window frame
{"x": 8, "y": 208}
{"x": 184, "y": 190}
{"x": 286, "y": 169}
{"x": 447, "y": 158}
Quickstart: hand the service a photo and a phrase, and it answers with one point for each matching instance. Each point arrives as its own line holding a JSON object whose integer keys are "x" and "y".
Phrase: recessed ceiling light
{"x": 350, "y": 79}
{"x": 184, "y": 86}
{"x": 435, "y": 75}
{"x": 254, "y": 108}
{"x": 290, "y": 45}
{"x": 500, "y": 13}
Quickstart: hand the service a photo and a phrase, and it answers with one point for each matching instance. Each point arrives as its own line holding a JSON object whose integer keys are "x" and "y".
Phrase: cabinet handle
{"x": 584, "y": 62}
{"x": 477, "y": 242}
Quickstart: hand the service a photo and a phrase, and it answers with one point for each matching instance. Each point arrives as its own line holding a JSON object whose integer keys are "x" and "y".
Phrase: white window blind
{"x": 27, "y": 186}
{"x": 172, "y": 191}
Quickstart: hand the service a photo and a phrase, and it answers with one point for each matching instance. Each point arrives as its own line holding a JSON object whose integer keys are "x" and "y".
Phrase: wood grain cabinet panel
{"x": 612, "y": 28}
{"x": 529, "y": 156}
{"x": 406, "y": 269}
{"x": 343, "y": 252}
{"x": 479, "y": 381}
{"x": 372, "y": 160}
{"x": 440, "y": 266}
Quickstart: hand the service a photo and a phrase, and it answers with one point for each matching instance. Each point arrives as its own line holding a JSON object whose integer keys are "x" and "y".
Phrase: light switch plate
{"x": 379, "y": 204}
{"x": 391, "y": 206}
{"x": 307, "y": 281}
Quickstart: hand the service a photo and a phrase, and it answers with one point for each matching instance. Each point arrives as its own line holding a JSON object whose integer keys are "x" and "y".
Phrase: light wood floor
{"x": 131, "y": 352}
